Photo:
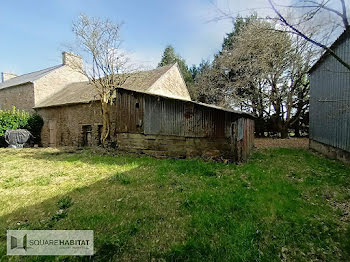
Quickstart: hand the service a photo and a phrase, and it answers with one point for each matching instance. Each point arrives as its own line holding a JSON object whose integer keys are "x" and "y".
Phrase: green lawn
{"x": 283, "y": 205}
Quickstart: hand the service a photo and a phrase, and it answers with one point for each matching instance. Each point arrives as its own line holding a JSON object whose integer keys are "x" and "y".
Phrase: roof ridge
{"x": 51, "y": 67}
{"x": 28, "y": 77}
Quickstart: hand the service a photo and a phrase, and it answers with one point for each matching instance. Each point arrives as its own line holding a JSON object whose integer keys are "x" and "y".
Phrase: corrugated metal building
{"x": 149, "y": 123}
{"x": 330, "y": 102}
{"x": 159, "y": 125}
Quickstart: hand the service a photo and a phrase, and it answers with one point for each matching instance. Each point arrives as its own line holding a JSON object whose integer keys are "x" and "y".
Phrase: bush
{"x": 3, "y": 142}
{"x": 17, "y": 119}
{"x": 34, "y": 125}
{"x": 12, "y": 119}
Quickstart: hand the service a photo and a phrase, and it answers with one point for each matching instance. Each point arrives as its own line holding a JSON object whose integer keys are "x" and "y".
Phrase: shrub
{"x": 34, "y": 125}
{"x": 17, "y": 119}
{"x": 12, "y": 119}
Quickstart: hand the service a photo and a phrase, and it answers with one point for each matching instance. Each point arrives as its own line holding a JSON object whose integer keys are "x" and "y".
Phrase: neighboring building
{"x": 147, "y": 123}
{"x": 152, "y": 114}
{"x": 330, "y": 102}
{"x": 28, "y": 90}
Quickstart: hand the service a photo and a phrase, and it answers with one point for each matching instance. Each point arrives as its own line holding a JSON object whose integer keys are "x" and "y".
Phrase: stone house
{"x": 330, "y": 102}
{"x": 28, "y": 90}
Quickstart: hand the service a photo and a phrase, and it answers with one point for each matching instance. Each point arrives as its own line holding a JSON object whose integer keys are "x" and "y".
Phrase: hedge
{"x": 17, "y": 119}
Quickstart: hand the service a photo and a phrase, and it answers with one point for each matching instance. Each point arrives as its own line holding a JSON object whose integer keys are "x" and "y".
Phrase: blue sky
{"x": 33, "y": 32}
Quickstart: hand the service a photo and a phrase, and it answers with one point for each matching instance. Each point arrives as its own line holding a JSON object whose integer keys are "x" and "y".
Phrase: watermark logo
{"x": 15, "y": 244}
{"x": 50, "y": 242}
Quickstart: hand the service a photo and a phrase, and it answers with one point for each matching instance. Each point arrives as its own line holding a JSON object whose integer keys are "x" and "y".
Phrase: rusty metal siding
{"x": 181, "y": 118}
{"x": 181, "y": 127}
{"x": 245, "y": 145}
{"x": 162, "y": 118}
{"x": 330, "y": 101}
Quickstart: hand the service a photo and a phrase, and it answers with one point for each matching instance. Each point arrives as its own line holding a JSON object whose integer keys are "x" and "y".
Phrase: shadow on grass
{"x": 132, "y": 213}
{"x": 119, "y": 212}
{"x": 191, "y": 166}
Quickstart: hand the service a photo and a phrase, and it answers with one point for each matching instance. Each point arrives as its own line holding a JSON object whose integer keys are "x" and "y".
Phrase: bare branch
{"x": 330, "y": 51}
{"x": 98, "y": 41}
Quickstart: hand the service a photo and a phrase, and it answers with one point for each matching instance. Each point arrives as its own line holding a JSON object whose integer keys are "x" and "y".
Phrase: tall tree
{"x": 210, "y": 84}
{"x": 98, "y": 42}
{"x": 170, "y": 57}
{"x": 238, "y": 25}
{"x": 263, "y": 71}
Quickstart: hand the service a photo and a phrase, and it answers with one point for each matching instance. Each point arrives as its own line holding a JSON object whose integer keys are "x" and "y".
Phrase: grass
{"x": 283, "y": 205}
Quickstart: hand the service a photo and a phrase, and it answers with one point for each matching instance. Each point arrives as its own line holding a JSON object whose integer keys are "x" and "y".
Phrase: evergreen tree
{"x": 169, "y": 57}
{"x": 239, "y": 24}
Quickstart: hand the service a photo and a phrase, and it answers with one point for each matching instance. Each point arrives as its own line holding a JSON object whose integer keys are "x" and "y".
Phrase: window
{"x": 137, "y": 105}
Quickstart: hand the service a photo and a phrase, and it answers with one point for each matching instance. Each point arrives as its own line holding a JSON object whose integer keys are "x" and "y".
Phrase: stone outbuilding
{"x": 28, "y": 90}
{"x": 152, "y": 114}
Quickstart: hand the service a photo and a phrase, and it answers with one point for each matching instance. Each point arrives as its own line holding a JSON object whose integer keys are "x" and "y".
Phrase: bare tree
{"x": 107, "y": 67}
{"x": 313, "y": 8}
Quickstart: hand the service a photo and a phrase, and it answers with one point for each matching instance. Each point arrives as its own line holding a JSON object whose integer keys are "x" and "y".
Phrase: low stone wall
{"x": 329, "y": 151}
{"x": 175, "y": 146}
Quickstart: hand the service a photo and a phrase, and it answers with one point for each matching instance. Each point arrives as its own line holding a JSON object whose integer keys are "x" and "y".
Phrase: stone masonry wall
{"x": 70, "y": 120}
{"x": 55, "y": 81}
{"x": 21, "y": 96}
{"x": 330, "y": 151}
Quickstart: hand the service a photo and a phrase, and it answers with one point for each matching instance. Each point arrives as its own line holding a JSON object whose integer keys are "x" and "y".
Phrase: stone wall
{"x": 175, "y": 146}
{"x": 329, "y": 151}
{"x": 21, "y": 96}
{"x": 69, "y": 121}
{"x": 55, "y": 81}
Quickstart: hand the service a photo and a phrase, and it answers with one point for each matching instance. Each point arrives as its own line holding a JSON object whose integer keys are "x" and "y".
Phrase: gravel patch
{"x": 285, "y": 143}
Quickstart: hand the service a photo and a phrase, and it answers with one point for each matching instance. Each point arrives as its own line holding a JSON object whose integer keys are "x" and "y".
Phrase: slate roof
{"x": 28, "y": 78}
{"x": 84, "y": 92}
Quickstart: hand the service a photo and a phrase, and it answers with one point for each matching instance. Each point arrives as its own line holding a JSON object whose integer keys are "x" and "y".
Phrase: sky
{"x": 33, "y": 33}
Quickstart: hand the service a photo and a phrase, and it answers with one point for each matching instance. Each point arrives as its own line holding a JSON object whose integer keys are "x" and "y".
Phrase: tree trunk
{"x": 106, "y": 129}
{"x": 284, "y": 132}
{"x": 297, "y": 129}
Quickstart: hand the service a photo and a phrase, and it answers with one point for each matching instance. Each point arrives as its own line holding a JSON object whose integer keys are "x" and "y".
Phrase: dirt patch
{"x": 286, "y": 143}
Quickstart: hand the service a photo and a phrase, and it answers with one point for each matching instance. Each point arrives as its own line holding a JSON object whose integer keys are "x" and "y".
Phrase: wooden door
{"x": 53, "y": 132}
{"x": 234, "y": 139}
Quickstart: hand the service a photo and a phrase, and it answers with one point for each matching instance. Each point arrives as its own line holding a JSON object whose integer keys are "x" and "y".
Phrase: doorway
{"x": 52, "y": 133}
